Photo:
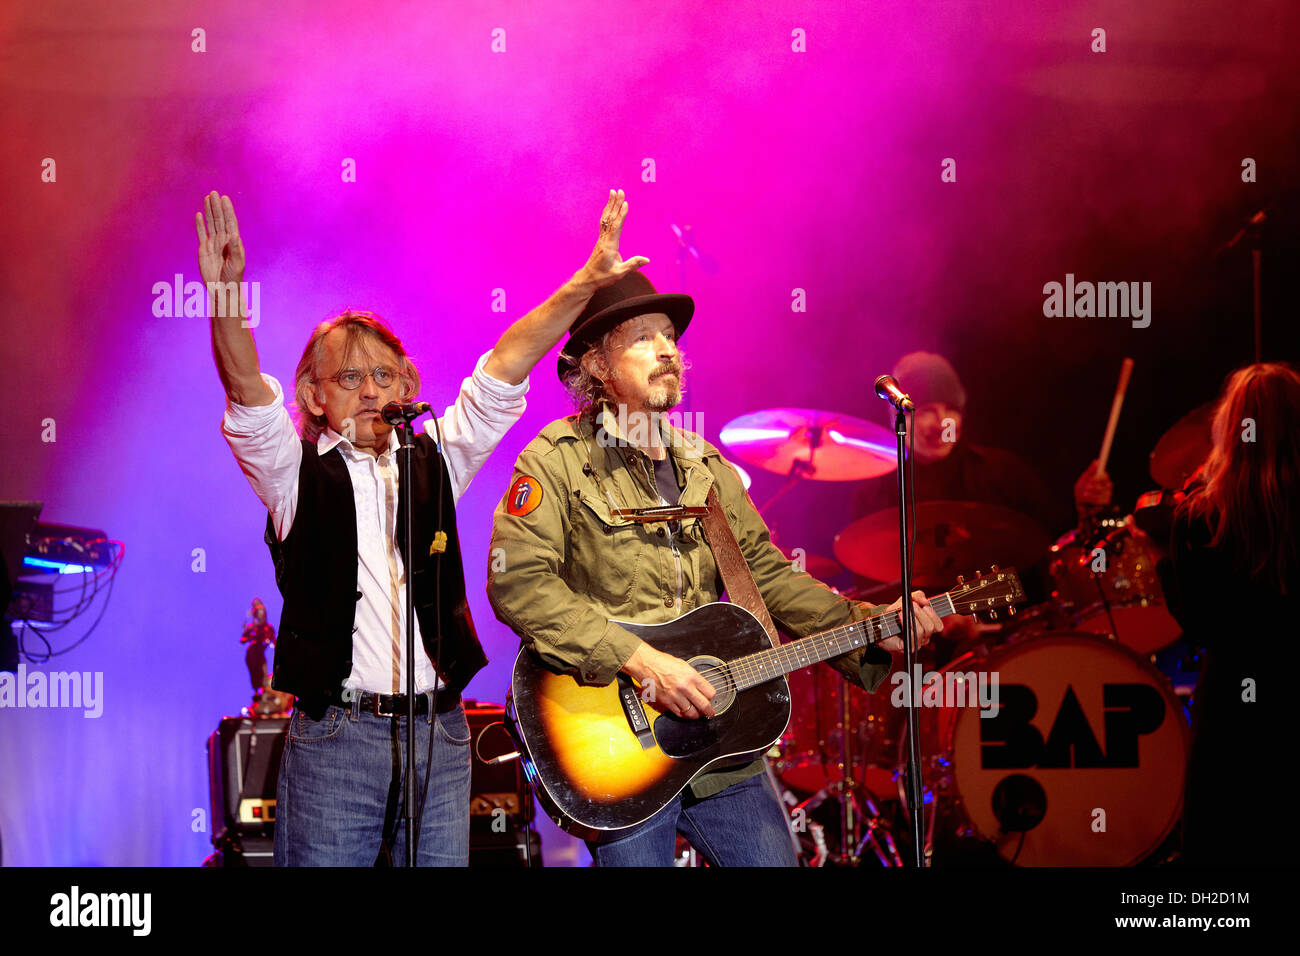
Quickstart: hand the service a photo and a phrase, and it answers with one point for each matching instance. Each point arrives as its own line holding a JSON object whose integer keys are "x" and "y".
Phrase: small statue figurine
{"x": 258, "y": 635}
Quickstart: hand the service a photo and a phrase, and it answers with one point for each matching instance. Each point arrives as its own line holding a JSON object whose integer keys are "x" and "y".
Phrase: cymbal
{"x": 1182, "y": 448}
{"x": 823, "y": 446}
{"x": 952, "y": 538}
{"x": 821, "y": 568}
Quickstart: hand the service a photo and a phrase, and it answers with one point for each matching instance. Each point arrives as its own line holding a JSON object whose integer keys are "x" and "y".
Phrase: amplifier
{"x": 500, "y": 802}
{"x": 244, "y": 764}
{"x": 243, "y": 767}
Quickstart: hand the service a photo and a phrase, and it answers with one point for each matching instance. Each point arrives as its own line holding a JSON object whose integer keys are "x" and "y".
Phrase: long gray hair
{"x": 360, "y": 328}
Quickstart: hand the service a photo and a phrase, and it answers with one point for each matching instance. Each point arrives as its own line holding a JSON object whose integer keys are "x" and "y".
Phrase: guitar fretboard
{"x": 755, "y": 669}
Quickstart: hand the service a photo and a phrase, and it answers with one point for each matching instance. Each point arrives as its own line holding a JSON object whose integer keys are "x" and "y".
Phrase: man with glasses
{"x": 330, "y": 490}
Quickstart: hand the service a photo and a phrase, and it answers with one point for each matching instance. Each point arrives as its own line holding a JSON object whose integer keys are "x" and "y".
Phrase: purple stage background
{"x": 814, "y": 169}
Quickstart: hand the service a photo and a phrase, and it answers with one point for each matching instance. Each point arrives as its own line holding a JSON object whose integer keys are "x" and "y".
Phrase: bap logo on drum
{"x": 1083, "y": 763}
{"x": 1009, "y": 741}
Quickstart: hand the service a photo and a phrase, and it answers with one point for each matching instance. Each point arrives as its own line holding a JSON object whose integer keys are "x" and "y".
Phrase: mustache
{"x": 668, "y": 368}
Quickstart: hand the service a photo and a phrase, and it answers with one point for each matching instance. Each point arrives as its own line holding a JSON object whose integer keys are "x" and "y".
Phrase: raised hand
{"x": 1093, "y": 489}
{"x": 606, "y": 266}
{"x": 221, "y": 252}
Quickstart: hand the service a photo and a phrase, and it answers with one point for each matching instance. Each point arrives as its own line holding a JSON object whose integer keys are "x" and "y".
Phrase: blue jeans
{"x": 342, "y": 788}
{"x": 743, "y": 825}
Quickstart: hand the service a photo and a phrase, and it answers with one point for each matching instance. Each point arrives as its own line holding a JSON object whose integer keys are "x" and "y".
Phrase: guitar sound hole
{"x": 719, "y": 675}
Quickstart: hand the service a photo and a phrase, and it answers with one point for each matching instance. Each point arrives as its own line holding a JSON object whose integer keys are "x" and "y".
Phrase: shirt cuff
{"x": 602, "y": 665}
{"x": 493, "y": 388}
{"x": 246, "y": 419}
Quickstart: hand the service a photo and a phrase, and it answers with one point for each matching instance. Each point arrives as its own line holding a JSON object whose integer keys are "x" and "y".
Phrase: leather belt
{"x": 394, "y": 705}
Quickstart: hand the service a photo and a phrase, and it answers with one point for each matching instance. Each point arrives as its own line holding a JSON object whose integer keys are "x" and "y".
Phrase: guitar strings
{"x": 731, "y": 675}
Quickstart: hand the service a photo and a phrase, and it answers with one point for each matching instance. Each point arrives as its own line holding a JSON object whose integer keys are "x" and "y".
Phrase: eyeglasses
{"x": 351, "y": 378}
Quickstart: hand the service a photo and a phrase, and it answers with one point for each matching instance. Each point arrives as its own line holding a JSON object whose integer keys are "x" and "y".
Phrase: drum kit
{"x": 1080, "y": 759}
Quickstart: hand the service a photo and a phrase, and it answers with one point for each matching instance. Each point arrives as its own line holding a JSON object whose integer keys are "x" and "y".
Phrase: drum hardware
{"x": 1105, "y": 582}
{"x": 822, "y": 853}
{"x": 877, "y": 836}
{"x": 839, "y": 769}
{"x": 869, "y": 829}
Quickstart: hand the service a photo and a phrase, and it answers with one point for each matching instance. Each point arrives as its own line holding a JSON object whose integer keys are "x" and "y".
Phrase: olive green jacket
{"x": 562, "y": 567}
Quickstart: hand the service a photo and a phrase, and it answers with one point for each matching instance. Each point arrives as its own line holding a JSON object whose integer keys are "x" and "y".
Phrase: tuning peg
{"x": 961, "y": 579}
{"x": 993, "y": 615}
{"x": 993, "y": 568}
{"x": 1011, "y": 611}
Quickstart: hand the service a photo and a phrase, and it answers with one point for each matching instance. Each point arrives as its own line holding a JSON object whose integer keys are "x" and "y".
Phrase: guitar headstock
{"x": 997, "y": 590}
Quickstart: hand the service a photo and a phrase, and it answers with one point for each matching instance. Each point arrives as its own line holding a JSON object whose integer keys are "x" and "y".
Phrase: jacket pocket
{"x": 606, "y": 553}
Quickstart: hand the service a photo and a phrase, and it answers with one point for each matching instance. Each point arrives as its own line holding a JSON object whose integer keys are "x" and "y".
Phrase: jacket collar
{"x": 604, "y": 432}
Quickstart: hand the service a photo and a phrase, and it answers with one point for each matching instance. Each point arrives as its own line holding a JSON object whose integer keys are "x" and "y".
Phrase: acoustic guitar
{"x": 604, "y": 758}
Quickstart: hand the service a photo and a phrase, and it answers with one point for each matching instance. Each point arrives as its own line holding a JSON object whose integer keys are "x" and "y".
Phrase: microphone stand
{"x": 406, "y": 439}
{"x": 915, "y": 788}
{"x": 1253, "y": 232}
{"x": 402, "y": 415}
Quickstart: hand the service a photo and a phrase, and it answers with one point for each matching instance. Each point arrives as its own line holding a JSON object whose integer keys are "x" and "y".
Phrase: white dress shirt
{"x": 269, "y": 451}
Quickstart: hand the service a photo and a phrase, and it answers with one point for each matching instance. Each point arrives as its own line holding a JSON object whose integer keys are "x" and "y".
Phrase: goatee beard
{"x": 669, "y": 398}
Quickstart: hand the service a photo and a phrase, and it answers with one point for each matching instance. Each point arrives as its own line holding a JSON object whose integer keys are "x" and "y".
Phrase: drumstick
{"x": 1125, "y": 371}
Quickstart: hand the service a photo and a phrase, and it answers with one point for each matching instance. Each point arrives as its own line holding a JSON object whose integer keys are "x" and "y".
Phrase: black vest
{"x": 316, "y": 571}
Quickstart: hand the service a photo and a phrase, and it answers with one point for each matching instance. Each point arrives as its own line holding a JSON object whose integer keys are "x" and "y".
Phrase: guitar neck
{"x": 755, "y": 669}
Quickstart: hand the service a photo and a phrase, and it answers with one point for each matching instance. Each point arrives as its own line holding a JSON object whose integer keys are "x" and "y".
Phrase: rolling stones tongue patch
{"x": 524, "y": 496}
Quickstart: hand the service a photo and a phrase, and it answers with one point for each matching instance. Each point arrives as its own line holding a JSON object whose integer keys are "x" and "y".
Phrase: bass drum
{"x": 1082, "y": 762}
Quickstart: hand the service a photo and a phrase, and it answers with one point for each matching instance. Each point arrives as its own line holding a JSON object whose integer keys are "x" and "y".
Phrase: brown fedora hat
{"x": 630, "y": 296}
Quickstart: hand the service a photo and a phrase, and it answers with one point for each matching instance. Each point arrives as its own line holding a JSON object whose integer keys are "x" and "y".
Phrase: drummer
{"x": 949, "y": 468}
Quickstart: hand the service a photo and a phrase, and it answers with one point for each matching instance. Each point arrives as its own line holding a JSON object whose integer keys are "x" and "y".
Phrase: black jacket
{"x": 316, "y": 571}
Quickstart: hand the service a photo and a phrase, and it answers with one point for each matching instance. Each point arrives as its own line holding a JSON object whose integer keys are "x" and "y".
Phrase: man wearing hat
{"x": 572, "y": 553}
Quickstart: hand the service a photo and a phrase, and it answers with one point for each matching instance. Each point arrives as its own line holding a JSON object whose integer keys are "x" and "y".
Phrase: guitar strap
{"x": 738, "y": 580}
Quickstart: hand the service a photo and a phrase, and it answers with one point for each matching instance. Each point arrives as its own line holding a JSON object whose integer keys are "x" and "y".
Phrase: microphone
{"x": 403, "y": 413}
{"x": 887, "y": 388}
